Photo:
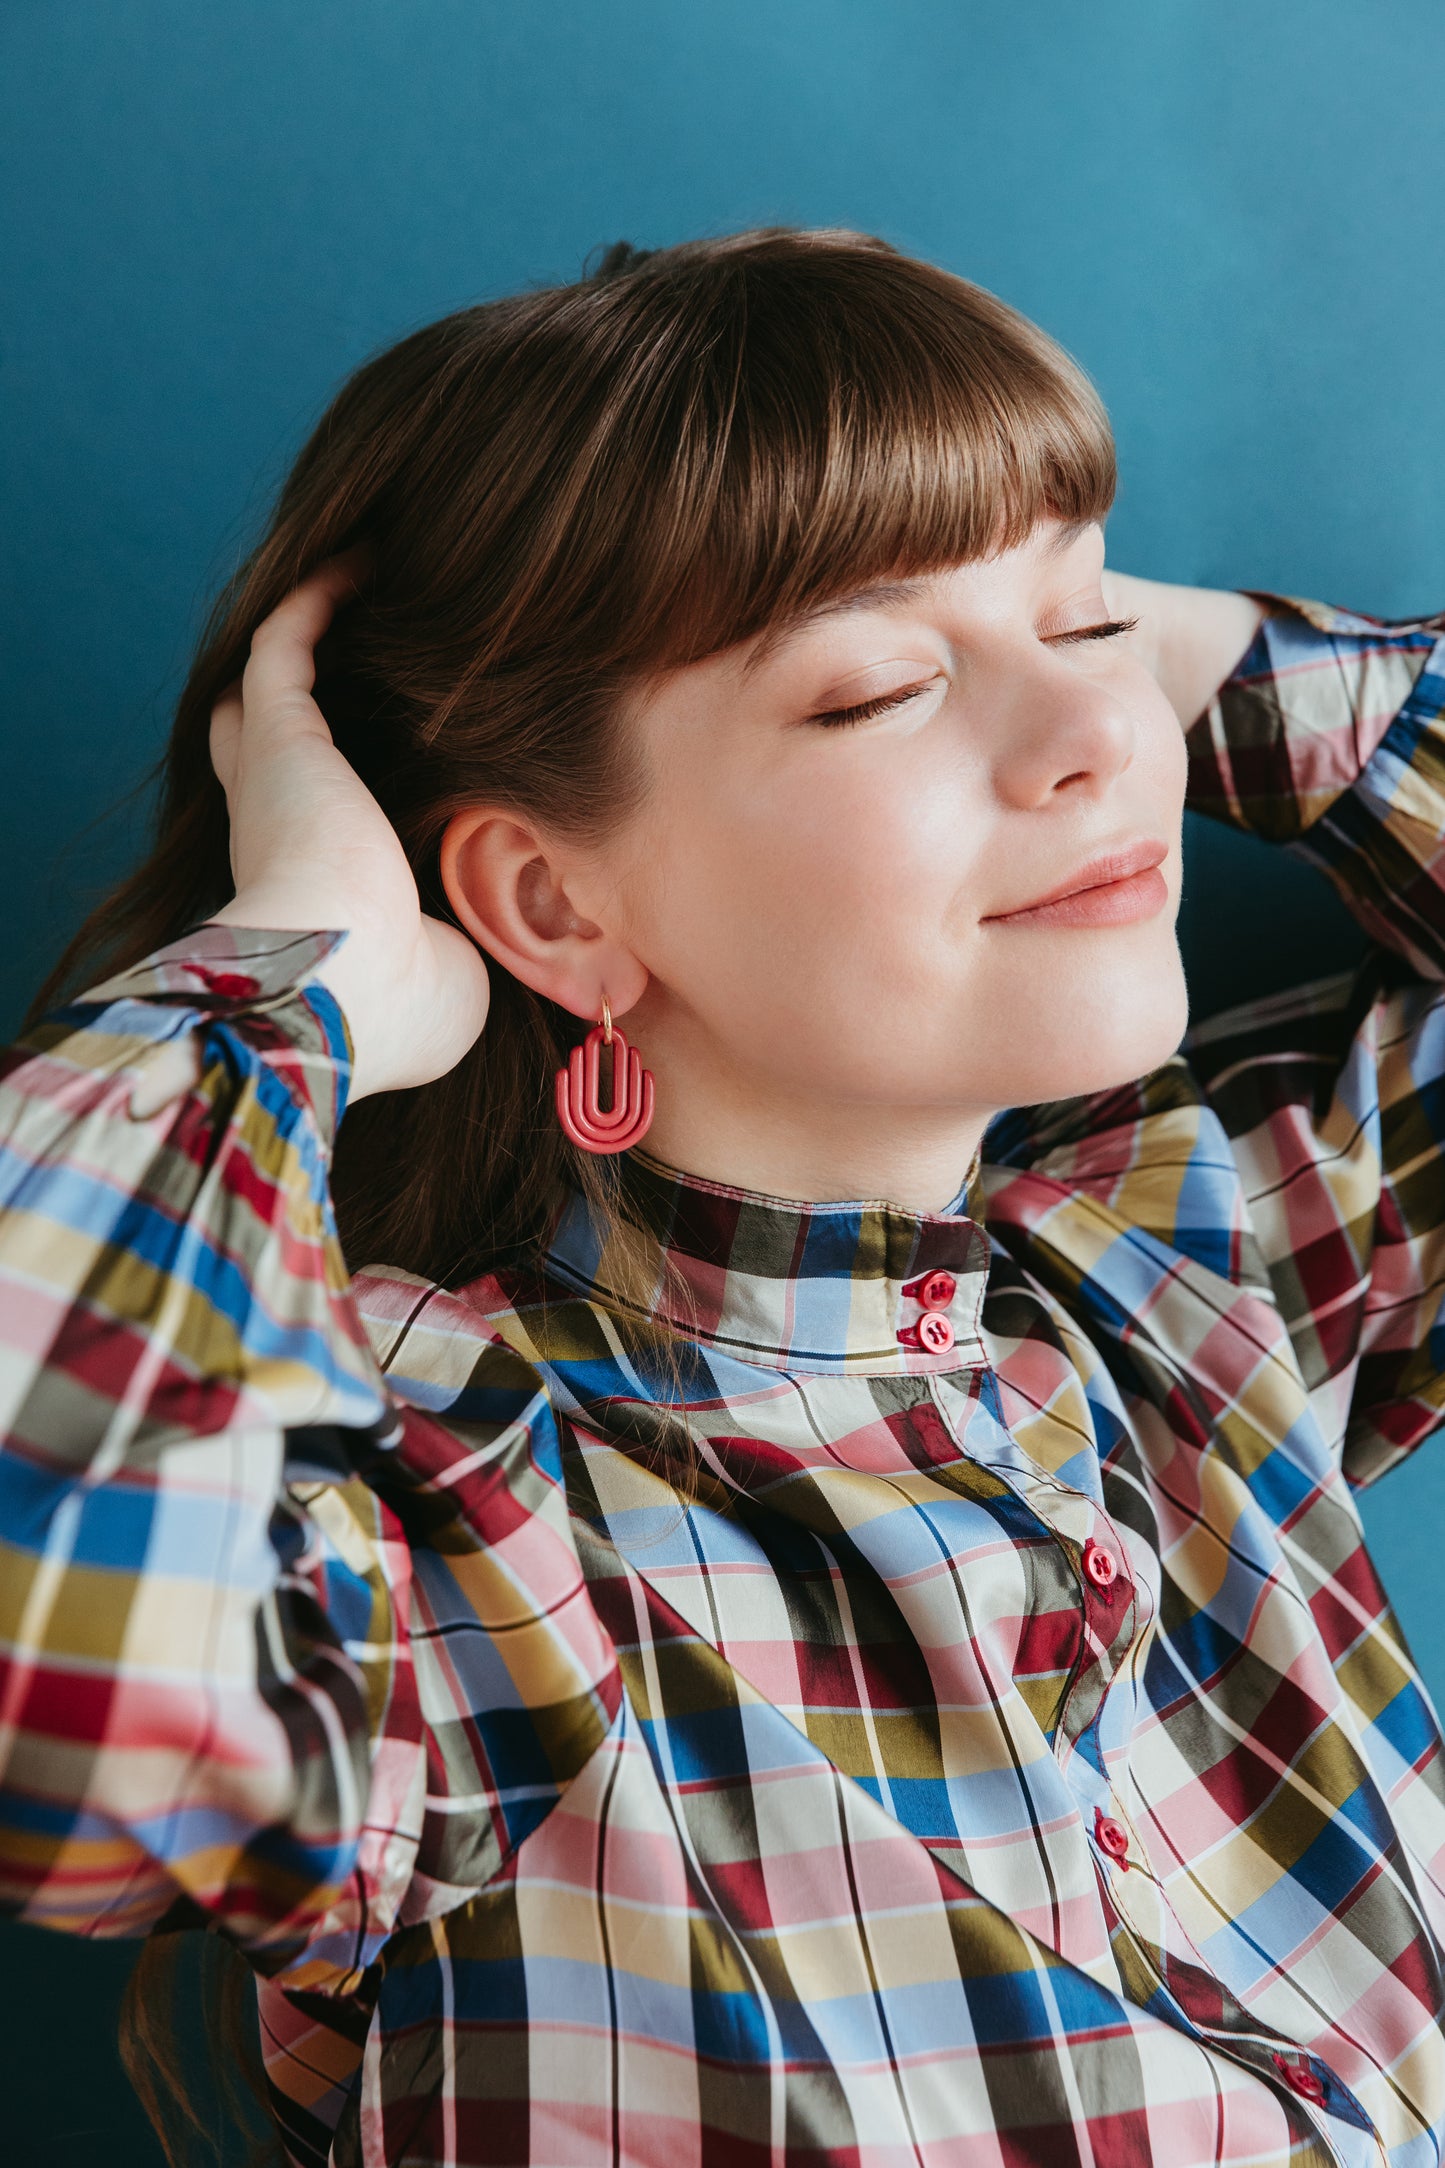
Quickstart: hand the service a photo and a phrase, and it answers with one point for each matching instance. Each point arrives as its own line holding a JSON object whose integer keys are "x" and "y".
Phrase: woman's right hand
{"x": 311, "y": 849}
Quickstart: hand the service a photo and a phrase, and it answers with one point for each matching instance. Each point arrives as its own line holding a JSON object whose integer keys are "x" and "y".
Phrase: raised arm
{"x": 224, "y": 1542}
{"x": 178, "y": 1716}
{"x": 1326, "y": 731}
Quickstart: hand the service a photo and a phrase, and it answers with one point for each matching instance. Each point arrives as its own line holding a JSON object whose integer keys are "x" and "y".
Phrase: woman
{"x": 808, "y": 1606}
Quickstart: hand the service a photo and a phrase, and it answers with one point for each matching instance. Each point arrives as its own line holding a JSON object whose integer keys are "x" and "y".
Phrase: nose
{"x": 1059, "y": 732}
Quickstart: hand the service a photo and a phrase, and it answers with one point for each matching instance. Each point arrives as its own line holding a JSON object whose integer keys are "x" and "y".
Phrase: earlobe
{"x": 508, "y": 887}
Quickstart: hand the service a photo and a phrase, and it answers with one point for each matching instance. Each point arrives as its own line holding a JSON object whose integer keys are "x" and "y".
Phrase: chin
{"x": 1101, "y": 1038}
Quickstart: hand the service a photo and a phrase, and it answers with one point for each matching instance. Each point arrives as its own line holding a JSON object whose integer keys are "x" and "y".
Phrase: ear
{"x": 508, "y": 886}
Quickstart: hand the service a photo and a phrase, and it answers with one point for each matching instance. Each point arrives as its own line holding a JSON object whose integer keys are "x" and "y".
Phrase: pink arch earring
{"x": 579, "y": 1092}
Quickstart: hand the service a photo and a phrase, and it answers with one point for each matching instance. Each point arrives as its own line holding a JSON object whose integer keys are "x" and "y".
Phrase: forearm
{"x": 184, "y": 1718}
{"x": 1330, "y": 736}
{"x": 1190, "y": 637}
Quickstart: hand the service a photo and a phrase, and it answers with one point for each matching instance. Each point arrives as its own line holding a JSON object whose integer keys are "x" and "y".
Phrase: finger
{"x": 282, "y": 662}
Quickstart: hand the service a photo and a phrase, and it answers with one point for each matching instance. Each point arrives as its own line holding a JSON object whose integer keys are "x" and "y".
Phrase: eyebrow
{"x": 877, "y": 595}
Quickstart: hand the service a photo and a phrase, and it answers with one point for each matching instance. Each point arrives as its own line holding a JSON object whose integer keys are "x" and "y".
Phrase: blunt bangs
{"x": 814, "y": 412}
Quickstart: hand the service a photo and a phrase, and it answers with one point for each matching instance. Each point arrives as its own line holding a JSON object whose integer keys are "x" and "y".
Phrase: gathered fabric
{"x": 663, "y": 1706}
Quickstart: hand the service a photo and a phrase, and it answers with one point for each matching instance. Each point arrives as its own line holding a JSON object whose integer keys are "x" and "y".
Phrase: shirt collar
{"x": 775, "y": 1282}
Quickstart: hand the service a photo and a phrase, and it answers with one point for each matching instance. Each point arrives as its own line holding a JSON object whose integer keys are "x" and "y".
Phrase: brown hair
{"x": 560, "y": 494}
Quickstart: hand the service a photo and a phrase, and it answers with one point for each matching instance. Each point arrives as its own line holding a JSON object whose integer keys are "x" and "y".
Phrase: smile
{"x": 1116, "y": 889}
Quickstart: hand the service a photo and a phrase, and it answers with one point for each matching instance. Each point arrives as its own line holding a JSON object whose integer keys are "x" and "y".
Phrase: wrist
{"x": 278, "y": 910}
{"x": 1146, "y": 601}
{"x": 1206, "y": 633}
{"x": 1189, "y": 638}
{"x": 344, "y": 973}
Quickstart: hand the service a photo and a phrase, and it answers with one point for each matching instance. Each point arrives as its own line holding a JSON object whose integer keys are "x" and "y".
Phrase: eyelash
{"x": 867, "y": 709}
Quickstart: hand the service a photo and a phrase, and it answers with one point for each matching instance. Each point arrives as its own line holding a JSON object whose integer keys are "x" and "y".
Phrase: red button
{"x": 1304, "y": 2081}
{"x": 935, "y": 1290}
{"x": 932, "y": 1332}
{"x": 1100, "y": 1565}
{"x": 1113, "y": 1837}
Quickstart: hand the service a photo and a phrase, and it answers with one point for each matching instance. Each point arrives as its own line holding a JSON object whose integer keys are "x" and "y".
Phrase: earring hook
{"x": 606, "y": 1022}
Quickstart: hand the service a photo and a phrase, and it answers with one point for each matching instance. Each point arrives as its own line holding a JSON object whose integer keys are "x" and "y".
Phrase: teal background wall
{"x": 1232, "y": 213}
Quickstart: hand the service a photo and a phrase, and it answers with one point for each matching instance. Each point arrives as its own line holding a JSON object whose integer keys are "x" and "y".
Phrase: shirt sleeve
{"x": 1329, "y": 736}
{"x": 231, "y": 1555}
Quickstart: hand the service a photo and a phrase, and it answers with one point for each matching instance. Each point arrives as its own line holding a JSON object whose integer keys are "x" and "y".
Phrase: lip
{"x": 1116, "y": 888}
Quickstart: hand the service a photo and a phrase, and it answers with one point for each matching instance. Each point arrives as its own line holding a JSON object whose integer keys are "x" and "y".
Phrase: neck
{"x": 804, "y": 1148}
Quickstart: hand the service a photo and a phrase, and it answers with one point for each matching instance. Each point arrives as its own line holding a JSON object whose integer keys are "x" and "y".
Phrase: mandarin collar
{"x": 774, "y": 1282}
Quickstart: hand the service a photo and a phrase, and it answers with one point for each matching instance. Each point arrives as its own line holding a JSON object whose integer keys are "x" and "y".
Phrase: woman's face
{"x": 835, "y": 882}
{"x": 826, "y": 921}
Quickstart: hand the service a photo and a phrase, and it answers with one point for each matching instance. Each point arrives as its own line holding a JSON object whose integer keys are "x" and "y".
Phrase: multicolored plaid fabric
{"x": 1005, "y": 1755}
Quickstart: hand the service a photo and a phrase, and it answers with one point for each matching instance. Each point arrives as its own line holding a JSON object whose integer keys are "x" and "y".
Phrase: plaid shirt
{"x": 1008, "y": 1754}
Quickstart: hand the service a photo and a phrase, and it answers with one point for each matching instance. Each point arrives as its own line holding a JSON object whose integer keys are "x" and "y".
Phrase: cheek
{"x": 811, "y": 934}
{"x": 1167, "y": 757}
{"x": 817, "y": 878}
{"x": 826, "y": 922}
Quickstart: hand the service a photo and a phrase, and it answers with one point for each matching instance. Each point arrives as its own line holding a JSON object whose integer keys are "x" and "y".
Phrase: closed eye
{"x": 1110, "y": 630}
{"x": 864, "y": 710}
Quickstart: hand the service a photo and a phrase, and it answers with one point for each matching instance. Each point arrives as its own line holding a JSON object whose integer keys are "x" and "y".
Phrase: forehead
{"x": 1050, "y": 541}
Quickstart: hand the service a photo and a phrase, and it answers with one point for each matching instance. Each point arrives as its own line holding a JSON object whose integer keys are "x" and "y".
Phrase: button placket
{"x": 1108, "y": 1599}
{"x": 1112, "y": 1838}
{"x": 1106, "y": 1640}
{"x": 1109, "y": 1620}
{"x": 1301, "y": 2079}
{"x": 1311, "y": 2082}
{"x": 933, "y": 1332}
{"x": 1101, "y": 1567}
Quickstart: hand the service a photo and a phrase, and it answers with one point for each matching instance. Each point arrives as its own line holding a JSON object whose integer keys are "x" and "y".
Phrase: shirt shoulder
{"x": 440, "y": 1348}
